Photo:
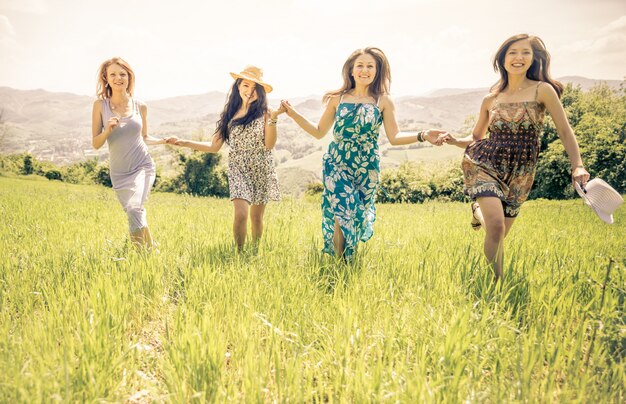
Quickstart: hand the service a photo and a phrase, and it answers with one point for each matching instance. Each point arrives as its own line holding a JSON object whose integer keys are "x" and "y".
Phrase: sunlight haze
{"x": 188, "y": 47}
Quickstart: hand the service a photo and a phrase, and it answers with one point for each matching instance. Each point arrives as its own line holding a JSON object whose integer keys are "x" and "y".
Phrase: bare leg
{"x": 495, "y": 230}
{"x": 338, "y": 240}
{"x": 137, "y": 238}
{"x": 147, "y": 238}
{"x": 240, "y": 223}
{"x": 256, "y": 220}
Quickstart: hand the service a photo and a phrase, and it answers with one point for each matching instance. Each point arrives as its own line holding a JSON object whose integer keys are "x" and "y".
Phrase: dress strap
{"x": 537, "y": 89}
{"x": 340, "y": 98}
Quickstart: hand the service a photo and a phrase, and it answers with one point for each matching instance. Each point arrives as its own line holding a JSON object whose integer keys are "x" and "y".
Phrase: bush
{"x": 314, "y": 188}
{"x": 201, "y": 175}
{"x": 412, "y": 183}
{"x": 102, "y": 176}
{"x": 54, "y": 175}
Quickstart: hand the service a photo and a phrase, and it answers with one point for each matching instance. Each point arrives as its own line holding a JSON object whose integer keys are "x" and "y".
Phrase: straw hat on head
{"x": 254, "y": 74}
{"x": 601, "y": 198}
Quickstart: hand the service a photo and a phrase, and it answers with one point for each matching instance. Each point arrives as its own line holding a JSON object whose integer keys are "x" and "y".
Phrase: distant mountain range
{"x": 57, "y": 126}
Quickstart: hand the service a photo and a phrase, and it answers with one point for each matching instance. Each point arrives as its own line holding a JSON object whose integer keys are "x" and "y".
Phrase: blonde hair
{"x": 102, "y": 88}
{"x": 381, "y": 83}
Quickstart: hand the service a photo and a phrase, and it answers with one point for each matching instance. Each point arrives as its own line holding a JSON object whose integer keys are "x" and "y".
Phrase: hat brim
{"x": 604, "y": 216}
{"x": 267, "y": 87}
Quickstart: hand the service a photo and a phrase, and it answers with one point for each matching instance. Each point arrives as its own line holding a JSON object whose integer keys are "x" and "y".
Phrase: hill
{"x": 57, "y": 126}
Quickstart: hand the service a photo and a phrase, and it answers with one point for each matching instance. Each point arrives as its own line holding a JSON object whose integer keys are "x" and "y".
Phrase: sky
{"x": 186, "y": 47}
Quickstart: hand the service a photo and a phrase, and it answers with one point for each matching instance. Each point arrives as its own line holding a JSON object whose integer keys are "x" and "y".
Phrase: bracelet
{"x": 420, "y": 136}
{"x": 272, "y": 122}
{"x": 580, "y": 166}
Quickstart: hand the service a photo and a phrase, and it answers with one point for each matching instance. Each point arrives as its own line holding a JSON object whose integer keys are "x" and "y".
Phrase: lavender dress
{"x": 132, "y": 169}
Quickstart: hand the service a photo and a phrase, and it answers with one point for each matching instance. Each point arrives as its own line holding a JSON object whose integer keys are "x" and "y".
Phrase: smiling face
{"x": 117, "y": 77}
{"x": 364, "y": 69}
{"x": 519, "y": 57}
{"x": 247, "y": 91}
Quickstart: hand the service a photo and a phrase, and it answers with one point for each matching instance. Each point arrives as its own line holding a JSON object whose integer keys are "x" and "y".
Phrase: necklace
{"x": 360, "y": 97}
{"x": 119, "y": 109}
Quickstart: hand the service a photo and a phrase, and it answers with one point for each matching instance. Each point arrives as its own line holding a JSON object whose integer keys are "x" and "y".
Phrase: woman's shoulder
{"x": 332, "y": 100}
{"x": 490, "y": 96}
{"x": 384, "y": 100}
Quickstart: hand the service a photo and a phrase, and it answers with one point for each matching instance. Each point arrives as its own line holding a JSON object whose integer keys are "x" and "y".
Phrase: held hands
{"x": 435, "y": 137}
{"x": 274, "y": 114}
{"x": 446, "y": 138}
{"x": 286, "y": 106}
{"x": 175, "y": 141}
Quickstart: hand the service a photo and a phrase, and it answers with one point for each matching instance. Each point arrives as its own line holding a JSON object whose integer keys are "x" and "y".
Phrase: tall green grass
{"x": 416, "y": 317}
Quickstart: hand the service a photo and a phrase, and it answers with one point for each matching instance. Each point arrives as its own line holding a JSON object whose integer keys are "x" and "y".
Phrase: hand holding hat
{"x": 601, "y": 197}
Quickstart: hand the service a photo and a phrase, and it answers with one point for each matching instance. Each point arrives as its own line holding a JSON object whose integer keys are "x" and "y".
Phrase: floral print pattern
{"x": 503, "y": 165}
{"x": 351, "y": 168}
{"x": 251, "y": 172}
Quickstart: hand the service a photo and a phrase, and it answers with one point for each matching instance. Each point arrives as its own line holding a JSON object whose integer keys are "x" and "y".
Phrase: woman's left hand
{"x": 580, "y": 175}
{"x": 433, "y": 136}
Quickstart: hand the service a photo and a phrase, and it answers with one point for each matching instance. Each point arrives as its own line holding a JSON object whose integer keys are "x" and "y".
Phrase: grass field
{"x": 83, "y": 317}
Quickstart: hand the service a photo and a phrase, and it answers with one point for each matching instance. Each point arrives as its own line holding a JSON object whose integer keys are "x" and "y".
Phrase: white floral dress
{"x": 251, "y": 172}
{"x": 351, "y": 170}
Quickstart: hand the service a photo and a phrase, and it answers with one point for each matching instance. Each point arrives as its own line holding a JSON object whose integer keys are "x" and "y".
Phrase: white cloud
{"x": 26, "y": 6}
{"x": 608, "y": 39}
{"x": 6, "y": 28}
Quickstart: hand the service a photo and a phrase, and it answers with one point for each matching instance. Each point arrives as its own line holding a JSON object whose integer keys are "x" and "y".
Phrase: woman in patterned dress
{"x": 351, "y": 167}
{"x": 499, "y": 170}
{"x": 249, "y": 128}
{"x": 121, "y": 121}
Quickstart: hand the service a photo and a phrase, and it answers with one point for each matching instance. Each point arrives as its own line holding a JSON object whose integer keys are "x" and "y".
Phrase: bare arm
{"x": 149, "y": 140}
{"x": 213, "y": 146}
{"x": 548, "y": 97}
{"x": 390, "y": 122}
{"x": 100, "y": 131}
{"x": 326, "y": 121}
{"x": 270, "y": 127}
{"x": 480, "y": 129}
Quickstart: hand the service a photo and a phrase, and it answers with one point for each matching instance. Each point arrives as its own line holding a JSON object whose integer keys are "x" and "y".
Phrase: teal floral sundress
{"x": 351, "y": 170}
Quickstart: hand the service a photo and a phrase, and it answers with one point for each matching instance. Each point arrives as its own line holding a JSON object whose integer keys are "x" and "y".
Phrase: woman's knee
{"x": 495, "y": 229}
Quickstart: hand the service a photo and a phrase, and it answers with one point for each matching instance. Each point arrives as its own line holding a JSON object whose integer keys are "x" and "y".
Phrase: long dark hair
{"x": 539, "y": 70}
{"x": 256, "y": 109}
{"x": 381, "y": 83}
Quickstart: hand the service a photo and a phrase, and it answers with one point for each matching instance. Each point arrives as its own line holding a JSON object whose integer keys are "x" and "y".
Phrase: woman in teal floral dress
{"x": 351, "y": 166}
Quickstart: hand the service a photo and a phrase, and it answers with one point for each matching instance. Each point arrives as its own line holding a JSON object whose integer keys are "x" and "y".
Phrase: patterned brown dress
{"x": 503, "y": 165}
{"x": 251, "y": 172}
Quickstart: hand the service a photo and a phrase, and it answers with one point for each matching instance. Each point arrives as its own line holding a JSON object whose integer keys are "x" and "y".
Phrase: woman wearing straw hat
{"x": 121, "y": 121}
{"x": 499, "y": 170}
{"x": 351, "y": 166}
{"x": 249, "y": 128}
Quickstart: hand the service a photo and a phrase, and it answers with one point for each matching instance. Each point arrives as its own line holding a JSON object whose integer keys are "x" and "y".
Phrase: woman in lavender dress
{"x": 121, "y": 121}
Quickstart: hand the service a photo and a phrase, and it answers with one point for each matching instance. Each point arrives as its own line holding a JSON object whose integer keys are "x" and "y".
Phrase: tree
{"x": 201, "y": 174}
{"x": 27, "y": 168}
{"x": 598, "y": 118}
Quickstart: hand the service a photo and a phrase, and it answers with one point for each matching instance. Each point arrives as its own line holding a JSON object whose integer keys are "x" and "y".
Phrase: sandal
{"x": 476, "y": 225}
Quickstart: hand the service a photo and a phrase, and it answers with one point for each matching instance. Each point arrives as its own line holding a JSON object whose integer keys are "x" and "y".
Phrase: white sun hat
{"x": 601, "y": 198}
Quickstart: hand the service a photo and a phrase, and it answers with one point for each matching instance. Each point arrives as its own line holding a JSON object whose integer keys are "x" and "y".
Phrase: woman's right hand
{"x": 112, "y": 123}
